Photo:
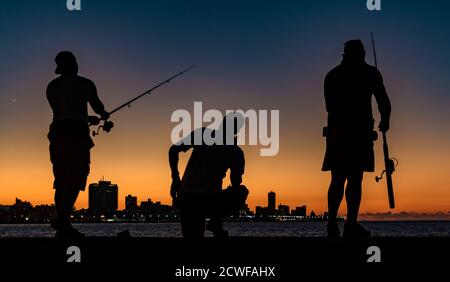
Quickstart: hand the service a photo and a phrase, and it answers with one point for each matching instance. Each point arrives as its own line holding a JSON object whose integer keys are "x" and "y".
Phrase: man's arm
{"x": 96, "y": 103}
{"x": 50, "y": 97}
{"x": 174, "y": 152}
{"x": 384, "y": 104}
{"x": 328, "y": 93}
{"x": 237, "y": 168}
{"x": 173, "y": 159}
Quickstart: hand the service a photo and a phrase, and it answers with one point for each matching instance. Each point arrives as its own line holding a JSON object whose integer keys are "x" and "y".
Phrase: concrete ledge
{"x": 280, "y": 251}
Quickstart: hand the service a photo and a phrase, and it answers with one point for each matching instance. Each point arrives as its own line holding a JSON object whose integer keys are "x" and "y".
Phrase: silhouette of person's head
{"x": 231, "y": 125}
{"x": 354, "y": 51}
{"x": 66, "y": 63}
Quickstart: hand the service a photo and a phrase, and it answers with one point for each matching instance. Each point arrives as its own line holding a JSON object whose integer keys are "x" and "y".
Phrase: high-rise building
{"x": 103, "y": 196}
{"x": 271, "y": 202}
{"x": 131, "y": 203}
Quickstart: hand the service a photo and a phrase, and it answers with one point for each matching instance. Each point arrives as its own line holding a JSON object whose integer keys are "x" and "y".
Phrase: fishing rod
{"x": 108, "y": 125}
{"x": 389, "y": 165}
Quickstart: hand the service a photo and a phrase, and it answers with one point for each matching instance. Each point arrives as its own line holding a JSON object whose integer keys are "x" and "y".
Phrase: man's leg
{"x": 64, "y": 202}
{"x": 335, "y": 196}
{"x": 228, "y": 202}
{"x": 353, "y": 196}
{"x": 62, "y": 216}
{"x": 192, "y": 225}
{"x": 69, "y": 177}
{"x": 215, "y": 225}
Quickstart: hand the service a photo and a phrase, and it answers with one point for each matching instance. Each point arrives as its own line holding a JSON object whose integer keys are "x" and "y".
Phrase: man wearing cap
{"x": 350, "y": 133}
{"x": 70, "y": 143}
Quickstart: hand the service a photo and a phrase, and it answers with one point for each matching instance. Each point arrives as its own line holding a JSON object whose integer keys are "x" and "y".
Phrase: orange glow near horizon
{"x": 135, "y": 154}
{"x": 140, "y": 167}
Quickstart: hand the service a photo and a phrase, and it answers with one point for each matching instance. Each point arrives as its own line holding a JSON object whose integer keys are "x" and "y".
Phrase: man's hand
{"x": 93, "y": 120}
{"x": 384, "y": 126}
{"x": 105, "y": 115}
{"x": 175, "y": 187}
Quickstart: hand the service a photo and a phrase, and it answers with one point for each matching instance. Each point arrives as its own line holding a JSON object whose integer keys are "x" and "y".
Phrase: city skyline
{"x": 249, "y": 55}
{"x": 101, "y": 200}
{"x": 387, "y": 216}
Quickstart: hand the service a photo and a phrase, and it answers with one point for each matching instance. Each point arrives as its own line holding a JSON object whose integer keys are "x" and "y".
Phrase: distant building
{"x": 4, "y": 208}
{"x": 313, "y": 214}
{"x": 146, "y": 205}
{"x": 21, "y": 211}
{"x": 299, "y": 211}
{"x": 260, "y": 212}
{"x": 5, "y": 215}
{"x": 42, "y": 213}
{"x": 155, "y": 211}
{"x": 22, "y": 205}
{"x": 131, "y": 203}
{"x": 283, "y": 210}
{"x": 271, "y": 202}
{"x": 103, "y": 196}
{"x": 245, "y": 211}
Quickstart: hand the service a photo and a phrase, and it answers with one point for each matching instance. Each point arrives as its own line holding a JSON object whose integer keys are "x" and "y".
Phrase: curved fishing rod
{"x": 152, "y": 89}
{"x": 108, "y": 125}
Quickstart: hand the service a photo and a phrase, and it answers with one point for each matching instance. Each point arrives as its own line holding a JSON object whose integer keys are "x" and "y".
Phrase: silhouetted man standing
{"x": 70, "y": 142}
{"x": 350, "y": 133}
{"x": 199, "y": 194}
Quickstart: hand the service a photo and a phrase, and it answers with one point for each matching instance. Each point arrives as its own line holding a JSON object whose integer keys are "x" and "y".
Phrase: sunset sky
{"x": 261, "y": 55}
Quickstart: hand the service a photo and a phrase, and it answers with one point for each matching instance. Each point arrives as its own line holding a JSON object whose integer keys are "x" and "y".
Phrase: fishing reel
{"x": 391, "y": 164}
{"x": 106, "y": 126}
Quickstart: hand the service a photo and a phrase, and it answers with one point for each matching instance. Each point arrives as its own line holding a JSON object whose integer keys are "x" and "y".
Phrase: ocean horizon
{"x": 236, "y": 229}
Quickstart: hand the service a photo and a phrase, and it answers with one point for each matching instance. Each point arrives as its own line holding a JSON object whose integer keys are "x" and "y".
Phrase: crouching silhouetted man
{"x": 350, "y": 133}
{"x": 199, "y": 195}
{"x": 69, "y": 138}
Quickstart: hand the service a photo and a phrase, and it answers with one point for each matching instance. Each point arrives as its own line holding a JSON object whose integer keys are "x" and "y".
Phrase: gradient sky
{"x": 250, "y": 55}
